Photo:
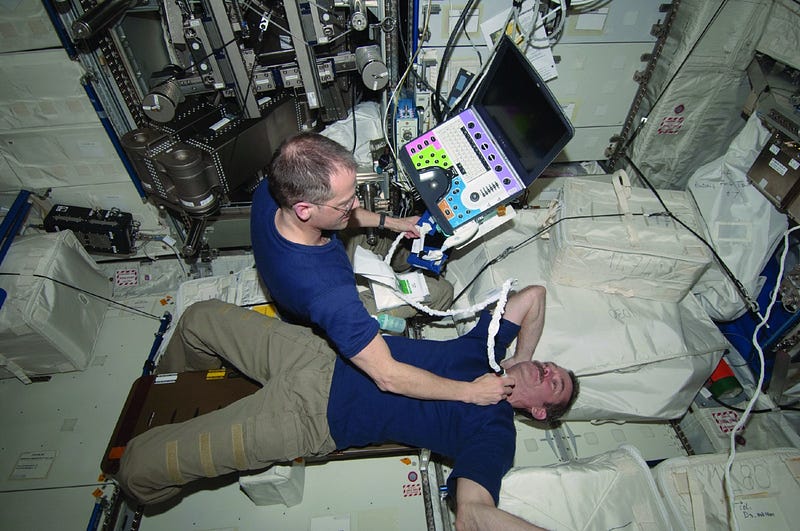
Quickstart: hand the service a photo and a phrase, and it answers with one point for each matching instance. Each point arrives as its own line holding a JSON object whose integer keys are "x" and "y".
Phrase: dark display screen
{"x": 515, "y": 102}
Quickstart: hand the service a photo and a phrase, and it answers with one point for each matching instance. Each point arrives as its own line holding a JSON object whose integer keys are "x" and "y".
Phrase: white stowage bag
{"x": 616, "y": 238}
{"x": 636, "y": 358}
{"x": 49, "y": 327}
{"x": 744, "y": 226}
{"x": 368, "y": 127}
{"x": 765, "y": 483}
{"x": 608, "y": 491}
{"x": 279, "y": 484}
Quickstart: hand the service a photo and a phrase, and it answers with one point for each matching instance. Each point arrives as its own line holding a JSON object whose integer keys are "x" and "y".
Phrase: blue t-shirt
{"x": 479, "y": 439}
{"x": 310, "y": 284}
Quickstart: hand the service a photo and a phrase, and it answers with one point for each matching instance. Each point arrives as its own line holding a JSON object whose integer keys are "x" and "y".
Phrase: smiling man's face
{"x": 539, "y": 384}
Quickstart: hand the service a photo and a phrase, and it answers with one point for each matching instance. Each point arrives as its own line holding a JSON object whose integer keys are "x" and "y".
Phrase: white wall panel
{"x": 618, "y": 21}
{"x": 589, "y": 143}
{"x": 8, "y": 178}
{"x": 61, "y": 156}
{"x": 595, "y": 83}
{"x": 621, "y": 21}
{"x": 24, "y": 25}
{"x": 42, "y": 88}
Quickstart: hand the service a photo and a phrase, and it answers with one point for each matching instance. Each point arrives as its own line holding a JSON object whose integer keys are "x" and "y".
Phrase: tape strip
{"x": 173, "y": 467}
{"x": 206, "y": 459}
{"x": 237, "y": 442}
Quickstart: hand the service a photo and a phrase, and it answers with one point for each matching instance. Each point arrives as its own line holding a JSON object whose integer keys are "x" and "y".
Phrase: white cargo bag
{"x": 608, "y": 491}
{"x": 48, "y": 327}
{"x": 745, "y": 227}
{"x": 766, "y": 490}
{"x": 278, "y": 484}
{"x": 620, "y": 242}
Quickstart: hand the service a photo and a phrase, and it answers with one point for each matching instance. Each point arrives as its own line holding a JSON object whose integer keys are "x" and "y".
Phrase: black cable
{"x": 448, "y": 51}
{"x": 674, "y": 75}
{"x": 95, "y": 295}
{"x": 750, "y": 303}
{"x": 529, "y": 239}
{"x": 787, "y": 407}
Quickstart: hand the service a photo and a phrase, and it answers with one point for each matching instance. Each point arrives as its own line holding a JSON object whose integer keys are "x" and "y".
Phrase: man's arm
{"x": 361, "y": 217}
{"x": 475, "y": 510}
{"x": 526, "y": 308}
{"x": 404, "y": 379}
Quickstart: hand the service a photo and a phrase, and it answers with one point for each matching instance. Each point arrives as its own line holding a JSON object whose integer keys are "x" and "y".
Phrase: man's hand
{"x": 490, "y": 389}
{"x": 406, "y": 225}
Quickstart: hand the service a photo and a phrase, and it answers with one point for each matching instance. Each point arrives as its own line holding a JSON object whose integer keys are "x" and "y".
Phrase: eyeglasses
{"x": 345, "y": 211}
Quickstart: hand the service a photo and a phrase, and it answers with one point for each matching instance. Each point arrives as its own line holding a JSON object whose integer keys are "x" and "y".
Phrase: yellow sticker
{"x": 267, "y": 309}
{"x": 216, "y": 374}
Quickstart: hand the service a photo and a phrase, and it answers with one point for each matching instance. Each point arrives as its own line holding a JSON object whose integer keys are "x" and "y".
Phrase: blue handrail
{"x": 10, "y": 228}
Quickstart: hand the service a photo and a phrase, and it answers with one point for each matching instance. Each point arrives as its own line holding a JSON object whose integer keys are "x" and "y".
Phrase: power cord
{"x": 785, "y": 407}
{"x": 91, "y": 294}
{"x": 752, "y": 305}
{"x": 529, "y": 239}
{"x": 745, "y": 414}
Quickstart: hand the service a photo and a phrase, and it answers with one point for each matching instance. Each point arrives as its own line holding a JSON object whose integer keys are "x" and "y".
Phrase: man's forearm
{"x": 414, "y": 382}
{"x": 475, "y": 510}
{"x": 404, "y": 379}
{"x": 363, "y": 218}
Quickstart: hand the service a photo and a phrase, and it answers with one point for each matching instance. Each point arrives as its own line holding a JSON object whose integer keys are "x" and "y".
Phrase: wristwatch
{"x": 382, "y": 222}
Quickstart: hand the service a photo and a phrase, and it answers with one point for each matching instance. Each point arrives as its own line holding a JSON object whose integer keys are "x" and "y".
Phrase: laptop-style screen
{"x": 487, "y": 154}
{"x": 521, "y": 112}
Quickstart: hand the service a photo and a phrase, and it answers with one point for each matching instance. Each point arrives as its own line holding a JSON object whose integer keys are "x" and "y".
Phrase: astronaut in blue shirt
{"x": 313, "y": 401}
{"x": 311, "y": 194}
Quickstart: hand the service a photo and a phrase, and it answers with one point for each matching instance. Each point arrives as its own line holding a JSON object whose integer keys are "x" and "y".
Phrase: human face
{"x": 335, "y": 213}
{"x": 345, "y": 211}
{"x": 539, "y": 384}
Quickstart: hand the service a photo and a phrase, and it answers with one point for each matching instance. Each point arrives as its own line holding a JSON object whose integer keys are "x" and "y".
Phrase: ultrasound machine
{"x": 485, "y": 156}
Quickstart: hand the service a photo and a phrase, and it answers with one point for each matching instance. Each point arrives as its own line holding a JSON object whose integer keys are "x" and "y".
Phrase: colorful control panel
{"x": 479, "y": 176}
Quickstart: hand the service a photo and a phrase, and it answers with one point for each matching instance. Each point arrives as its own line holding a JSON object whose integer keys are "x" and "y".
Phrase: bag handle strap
{"x": 622, "y": 189}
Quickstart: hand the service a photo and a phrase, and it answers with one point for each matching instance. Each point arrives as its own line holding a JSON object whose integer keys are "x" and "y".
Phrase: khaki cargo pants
{"x": 285, "y": 419}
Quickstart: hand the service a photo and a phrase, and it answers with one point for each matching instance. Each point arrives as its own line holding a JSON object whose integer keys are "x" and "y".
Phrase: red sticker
{"x": 413, "y": 489}
{"x": 726, "y": 420}
{"x": 670, "y": 125}
{"x": 126, "y": 277}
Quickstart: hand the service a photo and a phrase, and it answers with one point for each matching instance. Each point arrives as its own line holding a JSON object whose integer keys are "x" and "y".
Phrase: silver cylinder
{"x": 370, "y": 65}
{"x": 160, "y": 103}
{"x": 100, "y": 17}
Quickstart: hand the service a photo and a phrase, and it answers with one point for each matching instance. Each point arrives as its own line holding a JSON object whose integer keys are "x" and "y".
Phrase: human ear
{"x": 302, "y": 211}
{"x": 539, "y": 413}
